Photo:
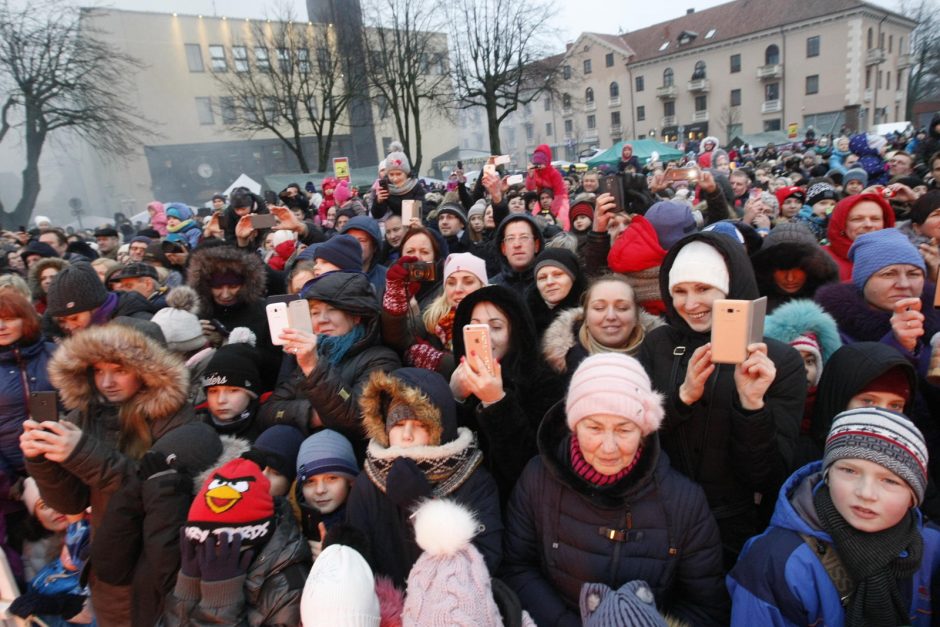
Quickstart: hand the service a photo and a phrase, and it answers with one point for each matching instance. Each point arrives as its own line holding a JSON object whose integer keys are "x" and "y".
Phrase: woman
{"x": 427, "y": 341}
{"x": 41, "y": 275}
{"x": 608, "y": 321}
{"x": 419, "y": 244}
{"x": 790, "y": 265}
{"x": 732, "y": 429}
{"x": 397, "y": 185}
{"x": 600, "y": 504}
{"x": 559, "y": 283}
{"x": 123, "y": 391}
{"x": 853, "y": 216}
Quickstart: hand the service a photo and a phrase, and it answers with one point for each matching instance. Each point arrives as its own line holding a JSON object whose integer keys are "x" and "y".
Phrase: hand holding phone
{"x": 690, "y": 173}
{"x": 736, "y": 324}
{"x": 476, "y": 339}
{"x": 421, "y": 271}
{"x": 613, "y": 184}
{"x": 42, "y": 406}
{"x": 291, "y": 314}
{"x": 410, "y": 209}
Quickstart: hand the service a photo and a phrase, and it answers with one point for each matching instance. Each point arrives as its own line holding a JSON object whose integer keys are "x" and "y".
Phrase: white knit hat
{"x": 614, "y": 384}
{"x": 465, "y": 262}
{"x": 340, "y": 591}
{"x": 179, "y": 322}
{"x": 699, "y": 262}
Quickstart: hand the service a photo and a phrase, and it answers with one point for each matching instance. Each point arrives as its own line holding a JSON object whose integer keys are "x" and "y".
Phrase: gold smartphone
{"x": 735, "y": 325}
{"x": 476, "y": 338}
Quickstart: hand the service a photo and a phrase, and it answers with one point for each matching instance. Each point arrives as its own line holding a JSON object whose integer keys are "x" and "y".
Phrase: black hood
{"x": 514, "y": 217}
{"x": 741, "y": 285}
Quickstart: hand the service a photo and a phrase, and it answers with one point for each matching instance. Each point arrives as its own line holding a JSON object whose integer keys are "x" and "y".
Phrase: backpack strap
{"x": 826, "y": 553}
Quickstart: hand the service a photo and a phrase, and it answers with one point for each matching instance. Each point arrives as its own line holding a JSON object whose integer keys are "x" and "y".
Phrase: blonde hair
{"x": 15, "y": 282}
{"x": 588, "y": 341}
{"x": 434, "y": 312}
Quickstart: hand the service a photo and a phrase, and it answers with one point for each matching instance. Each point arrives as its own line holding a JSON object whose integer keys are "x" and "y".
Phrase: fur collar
{"x": 465, "y": 439}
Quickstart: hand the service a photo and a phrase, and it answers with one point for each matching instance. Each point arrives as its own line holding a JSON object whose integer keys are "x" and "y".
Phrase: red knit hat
{"x": 235, "y": 498}
{"x": 894, "y": 380}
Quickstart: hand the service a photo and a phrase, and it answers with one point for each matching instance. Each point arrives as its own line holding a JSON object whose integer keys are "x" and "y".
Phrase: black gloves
{"x": 406, "y": 484}
{"x": 32, "y": 603}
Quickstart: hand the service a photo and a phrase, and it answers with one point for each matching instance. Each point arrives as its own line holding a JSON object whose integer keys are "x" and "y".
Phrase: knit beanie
{"x": 613, "y": 384}
{"x": 235, "y": 498}
{"x": 465, "y": 262}
{"x": 699, "y": 262}
{"x": 340, "y": 591}
{"x": 76, "y": 288}
{"x": 809, "y": 343}
{"x": 341, "y": 194}
{"x": 280, "y": 445}
{"x": 234, "y": 365}
{"x": 449, "y": 584}
{"x": 179, "y": 322}
{"x": 581, "y": 208}
{"x": 820, "y": 191}
{"x": 786, "y": 192}
{"x": 924, "y": 206}
{"x": 560, "y": 258}
{"x": 871, "y": 252}
{"x": 855, "y": 174}
{"x": 326, "y": 452}
{"x": 478, "y": 209}
{"x": 633, "y": 604}
{"x": 886, "y": 438}
{"x": 397, "y": 161}
{"x": 894, "y": 380}
{"x": 344, "y": 251}
{"x": 671, "y": 220}
{"x": 453, "y": 209}
{"x": 192, "y": 447}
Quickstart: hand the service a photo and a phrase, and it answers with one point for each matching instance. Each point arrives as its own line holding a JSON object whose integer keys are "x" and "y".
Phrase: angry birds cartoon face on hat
{"x": 235, "y": 499}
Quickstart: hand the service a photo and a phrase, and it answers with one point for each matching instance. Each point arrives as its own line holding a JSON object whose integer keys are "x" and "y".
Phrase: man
{"x": 34, "y": 251}
{"x": 218, "y": 202}
{"x": 452, "y": 223}
{"x": 901, "y": 164}
{"x": 367, "y": 232}
{"x": 143, "y": 279}
{"x": 56, "y": 239}
{"x": 108, "y": 241}
{"x": 138, "y": 248}
{"x": 519, "y": 241}
{"x": 740, "y": 185}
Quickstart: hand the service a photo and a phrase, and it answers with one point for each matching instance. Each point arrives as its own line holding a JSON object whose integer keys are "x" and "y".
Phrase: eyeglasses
{"x": 522, "y": 239}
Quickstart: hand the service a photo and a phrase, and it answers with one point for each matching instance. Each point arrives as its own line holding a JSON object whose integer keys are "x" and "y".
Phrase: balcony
{"x": 616, "y": 130}
{"x": 590, "y": 106}
{"x": 613, "y": 102}
{"x": 590, "y": 136}
{"x": 699, "y": 85}
{"x": 667, "y": 92}
{"x": 875, "y": 56}
{"x": 700, "y": 116}
{"x": 768, "y": 72}
{"x": 904, "y": 61}
{"x": 669, "y": 120}
{"x": 866, "y": 97}
{"x": 771, "y": 106}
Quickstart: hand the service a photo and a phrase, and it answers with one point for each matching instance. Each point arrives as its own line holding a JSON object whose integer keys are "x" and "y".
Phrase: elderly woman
{"x": 600, "y": 504}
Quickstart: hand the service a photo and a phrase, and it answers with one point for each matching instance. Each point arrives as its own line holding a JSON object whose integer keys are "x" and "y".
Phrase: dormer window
{"x": 687, "y": 37}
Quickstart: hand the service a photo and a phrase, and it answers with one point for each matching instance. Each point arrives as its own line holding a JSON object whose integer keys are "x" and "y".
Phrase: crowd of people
{"x": 172, "y": 457}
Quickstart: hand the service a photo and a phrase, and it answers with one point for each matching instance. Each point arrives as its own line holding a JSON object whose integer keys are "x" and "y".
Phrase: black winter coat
{"x": 559, "y": 532}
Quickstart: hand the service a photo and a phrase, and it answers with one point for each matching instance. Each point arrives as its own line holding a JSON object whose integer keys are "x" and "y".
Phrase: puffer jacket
{"x": 654, "y": 525}
{"x": 780, "y": 580}
{"x": 268, "y": 595}
{"x": 22, "y": 370}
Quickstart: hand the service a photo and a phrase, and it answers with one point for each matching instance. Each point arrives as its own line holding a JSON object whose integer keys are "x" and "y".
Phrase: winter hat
{"x": 453, "y": 209}
{"x": 342, "y": 193}
{"x": 135, "y": 271}
{"x": 894, "y": 380}
{"x": 234, "y": 365}
{"x": 340, "y": 591}
{"x": 924, "y": 206}
{"x": 179, "y": 322}
{"x": 809, "y": 343}
{"x": 326, "y": 451}
{"x": 699, "y": 262}
{"x": 233, "y": 499}
{"x": 449, "y": 584}
{"x": 179, "y": 211}
{"x": 140, "y": 239}
{"x": 279, "y": 237}
{"x": 280, "y": 445}
{"x": 344, "y": 251}
{"x": 76, "y": 288}
{"x": 478, "y": 209}
{"x": 820, "y": 191}
{"x": 36, "y": 247}
{"x": 855, "y": 174}
{"x": 397, "y": 161}
{"x": 871, "y": 252}
{"x": 540, "y": 157}
{"x": 633, "y": 604}
{"x": 671, "y": 220}
{"x": 786, "y": 192}
{"x": 582, "y": 205}
{"x": 30, "y": 495}
{"x": 884, "y": 437}
{"x": 615, "y": 384}
{"x": 193, "y": 447}
{"x": 465, "y": 262}
{"x": 561, "y": 258}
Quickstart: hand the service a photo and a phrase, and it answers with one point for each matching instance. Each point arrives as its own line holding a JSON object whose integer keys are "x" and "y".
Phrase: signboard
{"x": 341, "y": 168}
{"x": 793, "y": 130}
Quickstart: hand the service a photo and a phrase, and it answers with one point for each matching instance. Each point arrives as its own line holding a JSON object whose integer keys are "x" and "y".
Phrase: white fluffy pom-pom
{"x": 183, "y": 297}
{"x": 242, "y": 335}
{"x": 443, "y": 527}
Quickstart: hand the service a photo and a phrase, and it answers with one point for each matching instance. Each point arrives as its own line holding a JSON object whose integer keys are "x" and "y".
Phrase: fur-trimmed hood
{"x": 165, "y": 377}
{"x": 206, "y": 262}
{"x": 425, "y": 392}
{"x": 799, "y": 317}
{"x": 36, "y": 270}
{"x": 790, "y": 246}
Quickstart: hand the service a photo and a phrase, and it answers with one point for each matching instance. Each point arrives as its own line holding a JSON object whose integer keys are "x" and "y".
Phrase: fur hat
{"x": 632, "y": 604}
{"x": 326, "y": 451}
{"x": 700, "y": 262}
{"x": 179, "y": 320}
{"x": 878, "y": 249}
{"x": 75, "y": 289}
{"x": 802, "y": 318}
{"x": 465, "y": 262}
{"x": 340, "y": 591}
{"x": 235, "y": 498}
{"x": 615, "y": 384}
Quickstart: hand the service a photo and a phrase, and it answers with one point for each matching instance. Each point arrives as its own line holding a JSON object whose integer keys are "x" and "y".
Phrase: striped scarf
{"x": 589, "y": 474}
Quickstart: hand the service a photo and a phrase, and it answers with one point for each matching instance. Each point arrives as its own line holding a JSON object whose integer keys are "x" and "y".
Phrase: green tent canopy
{"x": 642, "y": 149}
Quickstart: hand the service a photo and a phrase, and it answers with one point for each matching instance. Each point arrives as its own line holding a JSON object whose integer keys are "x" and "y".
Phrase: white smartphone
{"x": 735, "y": 325}
{"x": 278, "y": 320}
{"x": 410, "y": 209}
{"x": 298, "y": 315}
{"x": 515, "y": 179}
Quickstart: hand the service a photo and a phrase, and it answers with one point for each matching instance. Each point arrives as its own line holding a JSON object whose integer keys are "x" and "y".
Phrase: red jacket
{"x": 550, "y": 177}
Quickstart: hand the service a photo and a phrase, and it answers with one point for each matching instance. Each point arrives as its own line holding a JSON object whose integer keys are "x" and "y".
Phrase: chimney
{"x": 689, "y": 11}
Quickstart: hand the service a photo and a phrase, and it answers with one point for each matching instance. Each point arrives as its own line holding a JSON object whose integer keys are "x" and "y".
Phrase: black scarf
{"x": 874, "y": 562}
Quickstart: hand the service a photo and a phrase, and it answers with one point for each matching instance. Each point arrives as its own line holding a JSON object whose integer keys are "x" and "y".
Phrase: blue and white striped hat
{"x": 326, "y": 452}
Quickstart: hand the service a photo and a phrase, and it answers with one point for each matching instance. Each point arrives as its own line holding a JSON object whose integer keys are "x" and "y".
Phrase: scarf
{"x": 875, "y": 561}
{"x": 593, "y": 347}
{"x": 334, "y": 348}
{"x": 445, "y": 473}
{"x": 445, "y": 328}
{"x": 182, "y": 226}
{"x": 587, "y": 472}
{"x": 395, "y": 190}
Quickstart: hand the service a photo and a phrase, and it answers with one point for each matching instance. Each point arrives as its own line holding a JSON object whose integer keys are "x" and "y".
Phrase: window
{"x": 771, "y": 125}
{"x": 283, "y": 60}
{"x": 614, "y": 91}
{"x": 881, "y": 40}
{"x": 548, "y": 129}
{"x": 217, "y": 55}
{"x": 609, "y": 59}
{"x": 772, "y": 55}
{"x": 699, "y": 72}
{"x": 871, "y": 38}
{"x": 587, "y": 66}
{"x": 880, "y": 76}
{"x": 323, "y": 60}
{"x": 735, "y": 97}
{"x": 303, "y": 59}
{"x": 668, "y": 78}
{"x": 812, "y": 46}
{"x": 261, "y": 59}
{"x": 204, "y": 110}
{"x": 901, "y": 45}
{"x": 269, "y": 108}
{"x": 548, "y": 103}
{"x": 566, "y": 101}
{"x": 592, "y": 121}
{"x": 194, "y": 58}
{"x": 240, "y": 56}
{"x": 640, "y": 113}
{"x": 812, "y": 84}
{"x": 569, "y": 127}
{"x": 227, "y": 110}
{"x": 640, "y": 86}
{"x": 669, "y": 108}
{"x": 615, "y": 118}
{"x": 528, "y": 131}
{"x": 735, "y": 63}
{"x": 898, "y": 75}
{"x": 566, "y": 72}
{"x": 710, "y": 33}
{"x": 383, "y": 107}
{"x": 888, "y": 79}
{"x": 701, "y": 103}
{"x": 249, "y": 105}
{"x": 589, "y": 96}
{"x": 664, "y": 46}
{"x": 868, "y": 78}
{"x": 771, "y": 92}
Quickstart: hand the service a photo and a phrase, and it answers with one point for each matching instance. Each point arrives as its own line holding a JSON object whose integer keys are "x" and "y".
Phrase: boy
{"x": 846, "y": 544}
{"x": 232, "y": 383}
{"x": 279, "y": 446}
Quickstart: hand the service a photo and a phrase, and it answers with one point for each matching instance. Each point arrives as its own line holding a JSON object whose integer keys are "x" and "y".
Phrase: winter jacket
{"x": 189, "y": 227}
{"x": 118, "y": 304}
{"x": 22, "y": 370}
{"x": 780, "y": 580}
{"x": 791, "y": 246}
{"x": 654, "y": 525}
{"x": 542, "y": 314}
{"x": 393, "y": 204}
{"x": 548, "y": 176}
{"x": 839, "y": 243}
{"x": 731, "y": 452}
{"x": 931, "y": 143}
{"x": 268, "y": 595}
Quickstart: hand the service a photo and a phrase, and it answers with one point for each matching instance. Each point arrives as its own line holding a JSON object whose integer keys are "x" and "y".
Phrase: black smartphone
{"x": 310, "y": 520}
{"x": 43, "y": 406}
{"x": 421, "y": 271}
{"x": 383, "y": 183}
{"x": 460, "y": 165}
{"x": 219, "y": 327}
{"x": 613, "y": 184}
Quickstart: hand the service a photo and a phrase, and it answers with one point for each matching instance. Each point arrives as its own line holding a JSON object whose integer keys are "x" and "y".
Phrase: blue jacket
{"x": 778, "y": 579}
{"x": 22, "y": 370}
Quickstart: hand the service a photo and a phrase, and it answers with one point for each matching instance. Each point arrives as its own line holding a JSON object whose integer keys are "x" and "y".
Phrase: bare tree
{"x": 59, "y": 76}
{"x": 406, "y": 65}
{"x": 287, "y": 80}
{"x": 500, "y": 52}
{"x": 924, "y": 80}
{"x": 728, "y": 119}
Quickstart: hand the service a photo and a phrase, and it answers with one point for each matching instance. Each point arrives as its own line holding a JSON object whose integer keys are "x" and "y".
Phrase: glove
{"x": 423, "y": 356}
{"x": 225, "y": 560}
{"x": 152, "y": 463}
{"x": 406, "y": 484}
{"x": 31, "y": 603}
{"x": 398, "y": 289}
{"x": 189, "y": 560}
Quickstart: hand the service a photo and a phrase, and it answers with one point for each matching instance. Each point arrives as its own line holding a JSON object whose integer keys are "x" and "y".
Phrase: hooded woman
{"x": 559, "y": 284}
{"x": 854, "y": 216}
{"x": 790, "y": 265}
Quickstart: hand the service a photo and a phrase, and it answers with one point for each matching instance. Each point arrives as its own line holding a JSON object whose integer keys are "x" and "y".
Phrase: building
{"x": 743, "y": 67}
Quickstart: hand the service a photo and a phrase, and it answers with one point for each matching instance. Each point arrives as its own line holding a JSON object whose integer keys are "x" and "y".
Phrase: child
{"x": 279, "y": 446}
{"x": 232, "y": 383}
{"x": 846, "y": 544}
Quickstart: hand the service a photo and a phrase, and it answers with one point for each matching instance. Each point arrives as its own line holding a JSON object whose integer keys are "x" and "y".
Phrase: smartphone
{"x": 613, "y": 184}
{"x": 410, "y": 209}
{"x": 515, "y": 179}
{"x": 262, "y": 221}
{"x": 476, "y": 338}
{"x": 43, "y": 406}
{"x": 735, "y": 325}
{"x": 460, "y": 165}
{"x": 288, "y": 314}
{"x": 501, "y": 160}
{"x": 691, "y": 173}
{"x": 421, "y": 271}
{"x": 756, "y": 192}
{"x": 383, "y": 183}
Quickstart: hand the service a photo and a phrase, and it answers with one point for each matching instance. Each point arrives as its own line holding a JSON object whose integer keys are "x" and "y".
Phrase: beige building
{"x": 743, "y": 67}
